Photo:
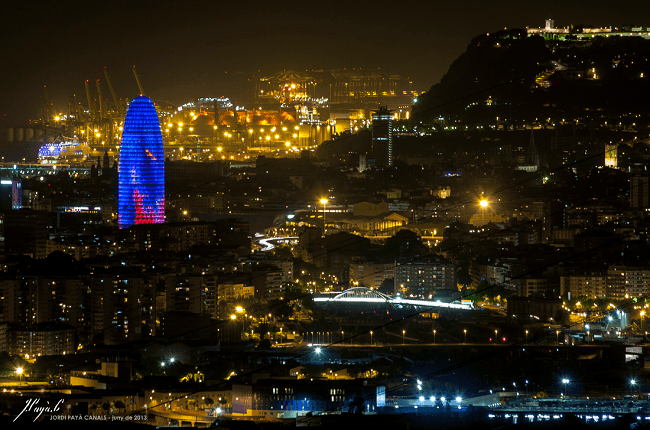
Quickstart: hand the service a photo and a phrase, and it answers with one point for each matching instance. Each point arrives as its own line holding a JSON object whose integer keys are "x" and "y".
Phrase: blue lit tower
{"x": 142, "y": 167}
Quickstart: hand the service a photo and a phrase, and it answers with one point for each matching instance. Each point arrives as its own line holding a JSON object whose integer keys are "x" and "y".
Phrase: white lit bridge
{"x": 363, "y": 295}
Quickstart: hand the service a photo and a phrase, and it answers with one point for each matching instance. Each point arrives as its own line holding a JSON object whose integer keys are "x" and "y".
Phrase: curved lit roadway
{"x": 266, "y": 242}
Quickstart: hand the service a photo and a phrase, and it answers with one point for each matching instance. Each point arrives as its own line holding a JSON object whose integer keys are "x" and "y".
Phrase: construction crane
{"x": 90, "y": 104}
{"x": 47, "y": 106}
{"x": 118, "y": 106}
{"x": 101, "y": 101}
{"x": 137, "y": 79}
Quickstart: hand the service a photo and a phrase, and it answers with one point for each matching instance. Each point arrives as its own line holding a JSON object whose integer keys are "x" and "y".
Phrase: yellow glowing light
{"x": 233, "y": 317}
{"x": 323, "y": 201}
{"x": 483, "y": 203}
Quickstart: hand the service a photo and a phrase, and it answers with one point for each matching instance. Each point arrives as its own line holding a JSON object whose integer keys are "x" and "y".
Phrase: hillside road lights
{"x": 324, "y": 203}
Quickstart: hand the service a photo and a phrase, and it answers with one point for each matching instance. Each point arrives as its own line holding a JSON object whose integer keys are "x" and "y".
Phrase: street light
{"x": 484, "y": 204}
{"x": 403, "y": 332}
{"x": 496, "y": 336}
{"x": 565, "y": 381}
{"x": 642, "y": 314}
{"x": 434, "y": 336}
{"x": 19, "y": 371}
{"x": 526, "y": 334}
{"x": 633, "y": 383}
{"x": 370, "y": 337}
{"x": 465, "y": 331}
{"x": 324, "y": 202}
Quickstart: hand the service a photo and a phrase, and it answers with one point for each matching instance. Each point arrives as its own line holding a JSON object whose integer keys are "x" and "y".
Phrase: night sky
{"x": 192, "y": 49}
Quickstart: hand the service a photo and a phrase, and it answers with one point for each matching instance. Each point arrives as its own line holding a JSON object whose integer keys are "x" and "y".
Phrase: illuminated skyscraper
{"x": 382, "y": 137}
{"x": 141, "y": 167}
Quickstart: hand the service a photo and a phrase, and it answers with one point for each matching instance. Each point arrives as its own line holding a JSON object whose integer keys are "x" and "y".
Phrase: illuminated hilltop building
{"x": 142, "y": 167}
{"x": 611, "y": 156}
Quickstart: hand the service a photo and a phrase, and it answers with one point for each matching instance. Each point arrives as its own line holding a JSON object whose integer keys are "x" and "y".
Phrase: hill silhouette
{"x": 510, "y": 75}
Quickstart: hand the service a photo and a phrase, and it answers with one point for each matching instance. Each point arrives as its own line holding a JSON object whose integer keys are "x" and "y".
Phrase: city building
{"x": 382, "y": 137}
{"x": 25, "y": 232}
{"x": 233, "y": 292}
{"x": 528, "y": 308}
{"x": 627, "y": 281}
{"x": 11, "y": 194}
{"x": 41, "y": 339}
{"x": 290, "y": 398}
{"x": 142, "y": 167}
{"x": 592, "y": 285}
{"x": 371, "y": 274}
{"x": 424, "y": 276}
{"x": 182, "y": 293}
{"x": 640, "y": 192}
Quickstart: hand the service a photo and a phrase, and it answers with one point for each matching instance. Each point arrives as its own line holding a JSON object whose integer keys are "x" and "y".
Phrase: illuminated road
{"x": 267, "y": 245}
{"x": 398, "y": 301}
